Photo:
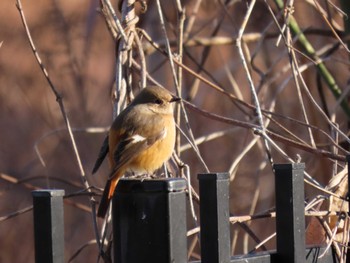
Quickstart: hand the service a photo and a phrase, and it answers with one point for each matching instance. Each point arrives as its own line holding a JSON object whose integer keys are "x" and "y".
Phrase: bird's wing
{"x": 131, "y": 146}
{"x": 101, "y": 156}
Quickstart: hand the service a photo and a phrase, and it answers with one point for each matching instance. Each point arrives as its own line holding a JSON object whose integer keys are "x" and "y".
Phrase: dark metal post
{"x": 48, "y": 226}
{"x": 214, "y": 217}
{"x": 290, "y": 217}
{"x": 149, "y": 221}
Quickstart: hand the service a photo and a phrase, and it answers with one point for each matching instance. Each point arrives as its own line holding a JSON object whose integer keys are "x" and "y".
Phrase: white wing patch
{"x": 137, "y": 138}
{"x": 164, "y": 133}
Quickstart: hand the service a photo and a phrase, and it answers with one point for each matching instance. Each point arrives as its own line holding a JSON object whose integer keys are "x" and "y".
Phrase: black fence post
{"x": 290, "y": 217}
{"x": 149, "y": 221}
{"x": 48, "y": 226}
{"x": 214, "y": 217}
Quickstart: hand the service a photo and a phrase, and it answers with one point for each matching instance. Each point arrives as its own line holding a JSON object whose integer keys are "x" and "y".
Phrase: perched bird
{"x": 140, "y": 140}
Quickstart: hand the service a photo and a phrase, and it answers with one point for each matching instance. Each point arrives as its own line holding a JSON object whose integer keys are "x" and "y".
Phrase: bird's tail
{"x": 105, "y": 200}
{"x": 107, "y": 197}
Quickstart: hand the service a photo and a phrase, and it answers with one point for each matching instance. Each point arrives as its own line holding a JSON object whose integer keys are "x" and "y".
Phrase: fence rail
{"x": 149, "y": 221}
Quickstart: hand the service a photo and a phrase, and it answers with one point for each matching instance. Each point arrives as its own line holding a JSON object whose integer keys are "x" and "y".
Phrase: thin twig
{"x": 250, "y": 80}
{"x": 17, "y": 213}
{"x": 170, "y": 54}
{"x": 271, "y": 134}
{"x": 80, "y": 249}
{"x": 181, "y": 21}
{"x": 319, "y": 64}
{"x": 321, "y": 67}
{"x": 192, "y": 19}
{"x": 63, "y": 112}
{"x": 296, "y": 73}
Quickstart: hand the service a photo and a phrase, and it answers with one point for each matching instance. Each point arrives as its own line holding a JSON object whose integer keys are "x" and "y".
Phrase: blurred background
{"x": 79, "y": 53}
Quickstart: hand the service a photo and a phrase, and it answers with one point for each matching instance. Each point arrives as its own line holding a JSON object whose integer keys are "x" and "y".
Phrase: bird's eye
{"x": 158, "y": 101}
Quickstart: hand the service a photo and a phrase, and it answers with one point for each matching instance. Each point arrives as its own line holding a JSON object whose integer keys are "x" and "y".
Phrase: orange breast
{"x": 153, "y": 158}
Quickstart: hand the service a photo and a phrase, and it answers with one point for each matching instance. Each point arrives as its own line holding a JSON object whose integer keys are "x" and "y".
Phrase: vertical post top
{"x": 289, "y": 166}
{"x": 152, "y": 185}
{"x": 348, "y": 157}
{"x": 213, "y": 176}
{"x": 48, "y": 192}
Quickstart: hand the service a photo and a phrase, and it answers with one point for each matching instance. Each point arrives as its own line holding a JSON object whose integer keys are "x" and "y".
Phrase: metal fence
{"x": 149, "y": 221}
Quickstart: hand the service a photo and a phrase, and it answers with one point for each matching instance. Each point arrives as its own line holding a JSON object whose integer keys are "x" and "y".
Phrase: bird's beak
{"x": 175, "y": 99}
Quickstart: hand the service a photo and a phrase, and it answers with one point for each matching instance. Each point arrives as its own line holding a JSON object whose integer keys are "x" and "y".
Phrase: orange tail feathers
{"x": 114, "y": 183}
{"x": 107, "y": 196}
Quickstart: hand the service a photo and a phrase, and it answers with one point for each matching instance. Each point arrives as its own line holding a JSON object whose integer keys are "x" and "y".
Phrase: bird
{"x": 140, "y": 140}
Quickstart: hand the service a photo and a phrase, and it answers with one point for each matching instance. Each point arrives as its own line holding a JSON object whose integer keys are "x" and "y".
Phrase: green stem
{"x": 321, "y": 67}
